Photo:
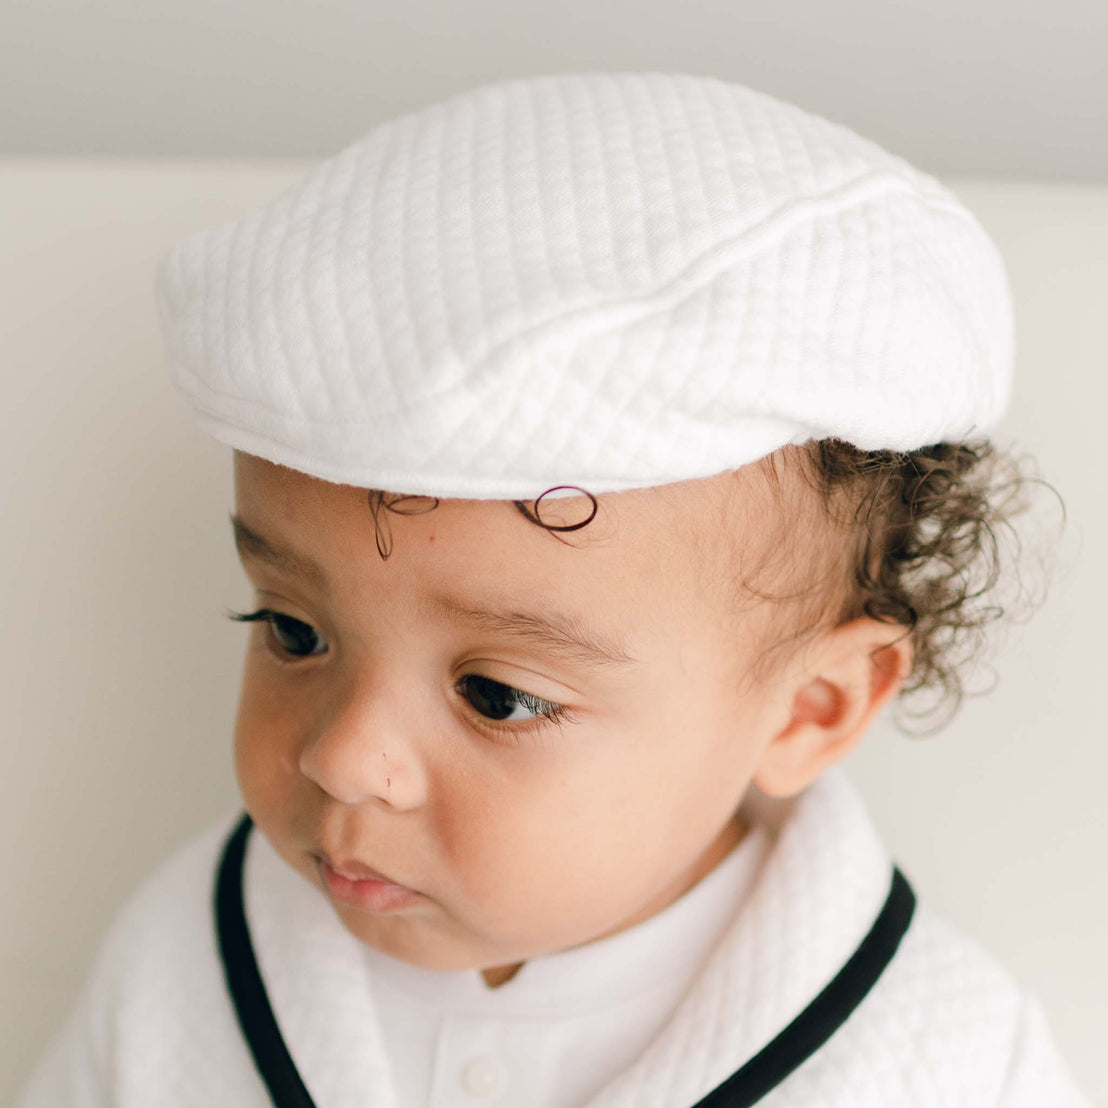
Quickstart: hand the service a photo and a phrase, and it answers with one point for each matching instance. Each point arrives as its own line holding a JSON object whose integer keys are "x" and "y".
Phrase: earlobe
{"x": 856, "y": 670}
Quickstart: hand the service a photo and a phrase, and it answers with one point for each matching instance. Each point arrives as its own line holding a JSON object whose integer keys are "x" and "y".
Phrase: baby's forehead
{"x": 734, "y": 511}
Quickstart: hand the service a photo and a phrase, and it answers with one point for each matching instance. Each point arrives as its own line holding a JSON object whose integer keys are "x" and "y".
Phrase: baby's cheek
{"x": 265, "y": 735}
{"x": 265, "y": 767}
{"x": 529, "y": 871}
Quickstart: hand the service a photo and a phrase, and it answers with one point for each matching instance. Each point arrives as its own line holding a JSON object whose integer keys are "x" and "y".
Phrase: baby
{"x": 609, "y": 450}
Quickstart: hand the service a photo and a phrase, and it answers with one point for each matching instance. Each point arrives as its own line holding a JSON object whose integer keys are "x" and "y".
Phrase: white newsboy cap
{"x": 605, "y": 280}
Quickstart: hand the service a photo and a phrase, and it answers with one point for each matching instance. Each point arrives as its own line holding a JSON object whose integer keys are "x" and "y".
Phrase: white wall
{"x": 119, "y": 671}
{"x": 994, "y": 88}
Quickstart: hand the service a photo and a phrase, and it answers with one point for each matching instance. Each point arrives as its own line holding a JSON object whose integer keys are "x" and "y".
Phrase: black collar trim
{"x": 766, "y": 1070}
{"x": 827, "y": 1013}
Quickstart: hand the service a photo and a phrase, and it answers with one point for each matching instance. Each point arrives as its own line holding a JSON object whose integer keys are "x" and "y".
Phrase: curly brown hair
{"x": 927, "y": 540}
{"x": 909, "y": 538}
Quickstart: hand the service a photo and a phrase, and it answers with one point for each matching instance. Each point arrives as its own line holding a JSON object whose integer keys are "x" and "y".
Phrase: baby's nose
{"x": 363, "y": 749}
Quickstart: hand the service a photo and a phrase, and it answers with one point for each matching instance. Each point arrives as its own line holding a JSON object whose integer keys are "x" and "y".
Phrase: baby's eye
{"x": 296, "y": 637}
{"x": 498, "y": 701}
{"x": 293, "y": 636}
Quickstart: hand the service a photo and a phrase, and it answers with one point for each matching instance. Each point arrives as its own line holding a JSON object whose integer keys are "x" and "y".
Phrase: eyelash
{"x": 549, "y": 712}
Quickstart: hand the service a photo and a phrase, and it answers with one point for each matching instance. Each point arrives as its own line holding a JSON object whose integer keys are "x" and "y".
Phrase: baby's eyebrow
{"x": 250, "y": 544}
{"x": 552, "y": 631}
{"x": 555, "y": 632}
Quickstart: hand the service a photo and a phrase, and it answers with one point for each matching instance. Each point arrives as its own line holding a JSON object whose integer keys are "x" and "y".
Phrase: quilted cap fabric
{"x": 605, "y": 280}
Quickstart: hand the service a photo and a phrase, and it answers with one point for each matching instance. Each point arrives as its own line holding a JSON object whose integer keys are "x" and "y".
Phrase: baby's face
{"x": 378, "y": 724}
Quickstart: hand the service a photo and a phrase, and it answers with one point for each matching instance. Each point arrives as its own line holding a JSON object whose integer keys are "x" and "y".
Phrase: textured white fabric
{"x": 946, "y": 1026}
{"x": 603, "y": 280}
{"x": 566, "y": 1023}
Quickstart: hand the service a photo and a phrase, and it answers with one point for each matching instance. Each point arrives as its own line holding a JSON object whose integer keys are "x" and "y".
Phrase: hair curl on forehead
{"x": 379, "y": 498}
{"x": 908, "y": 538}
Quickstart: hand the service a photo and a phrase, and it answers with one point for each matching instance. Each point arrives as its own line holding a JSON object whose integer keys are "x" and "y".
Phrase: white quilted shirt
{"x": 945, "y": 1024}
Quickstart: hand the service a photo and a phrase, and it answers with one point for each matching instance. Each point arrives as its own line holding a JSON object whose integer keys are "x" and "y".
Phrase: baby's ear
{"x": 847, "y": 677}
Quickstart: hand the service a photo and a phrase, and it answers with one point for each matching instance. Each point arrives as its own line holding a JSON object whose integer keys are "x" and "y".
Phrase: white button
{"x": 483, "y": 1077}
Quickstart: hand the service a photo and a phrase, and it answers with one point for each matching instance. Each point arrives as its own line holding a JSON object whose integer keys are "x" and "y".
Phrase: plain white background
{"x": 1016, "y": 89}
{"x": 120, "y": 671}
